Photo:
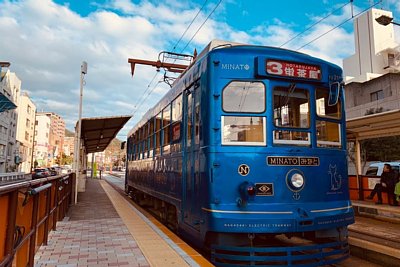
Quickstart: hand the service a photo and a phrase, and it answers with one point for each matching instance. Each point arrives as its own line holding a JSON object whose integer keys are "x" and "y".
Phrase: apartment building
{"x": 42, "y": 148}
{"x": 373, "y": 72}
{"x": 10, "y": 87}
{"x": 54, "y": 133}
{"x": 68, "y": 148}
{"x": 25, "y": 132}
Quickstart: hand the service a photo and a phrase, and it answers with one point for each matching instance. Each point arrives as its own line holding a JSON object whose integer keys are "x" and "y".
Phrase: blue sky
{"x": 46, "y": 41}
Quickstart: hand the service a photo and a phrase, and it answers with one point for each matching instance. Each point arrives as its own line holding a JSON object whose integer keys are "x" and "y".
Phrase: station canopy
{"x": 97, "y": 133}
{"x": 382, "y": 124}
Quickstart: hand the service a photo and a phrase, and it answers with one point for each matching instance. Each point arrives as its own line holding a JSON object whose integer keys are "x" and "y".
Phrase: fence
{"x": 29, "y": 210}
{"x": 362, "y": 186}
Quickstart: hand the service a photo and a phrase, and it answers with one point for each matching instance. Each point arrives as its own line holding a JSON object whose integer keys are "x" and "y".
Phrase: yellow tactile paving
{"x": 154, "y": 248}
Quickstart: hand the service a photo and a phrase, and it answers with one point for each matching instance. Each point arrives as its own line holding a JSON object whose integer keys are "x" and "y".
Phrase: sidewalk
{"x": 94, "y": 235}
{"x": 106, "y": 229}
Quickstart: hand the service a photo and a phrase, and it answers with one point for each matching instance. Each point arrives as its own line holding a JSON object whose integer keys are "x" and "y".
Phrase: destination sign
{"x": 293, "y": 161}
{"x": 293, "y": 69}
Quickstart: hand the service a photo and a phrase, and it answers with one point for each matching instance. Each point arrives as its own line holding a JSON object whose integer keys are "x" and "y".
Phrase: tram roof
{"x": 97, "y": 133}
{"x": 373, "y": 126}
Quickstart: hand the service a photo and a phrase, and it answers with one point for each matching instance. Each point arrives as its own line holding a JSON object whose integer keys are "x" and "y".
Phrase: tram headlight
{"x": 297, "y": 180}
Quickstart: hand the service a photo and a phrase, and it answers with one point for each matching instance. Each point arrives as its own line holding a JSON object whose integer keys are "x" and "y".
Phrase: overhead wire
{"x": 141, "y": 99}
{"x": 339, "y": 25}
{"x": 201, "y": 26}
{"x": 314, "y": 24}
{"x": 187, "y": 28}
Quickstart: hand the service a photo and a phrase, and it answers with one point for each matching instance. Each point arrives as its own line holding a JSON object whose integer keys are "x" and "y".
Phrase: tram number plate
{"x": 293, "y": 161}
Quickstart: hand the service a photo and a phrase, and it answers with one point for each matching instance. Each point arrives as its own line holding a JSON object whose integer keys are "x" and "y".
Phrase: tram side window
{"x": 158, "y": 133}
{"x": 291, "y": 107}
{"x": 323, "y": 109}
{"x": 151, "y": 137}
{"x": 243, "y": 130}
{"x": 291, "y": 110}
{"x": 328, "y": 134}
{"x": 239, "y": 96}
{"x": 166, "y": 128}
{"x": 176, "y": 119}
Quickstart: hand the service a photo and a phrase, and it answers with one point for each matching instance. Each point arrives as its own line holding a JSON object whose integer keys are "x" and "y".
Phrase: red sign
{"x": 293, "y": 69}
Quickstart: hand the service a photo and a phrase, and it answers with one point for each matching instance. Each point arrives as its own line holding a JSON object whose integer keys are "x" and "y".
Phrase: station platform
{"x": 105, "y": 229}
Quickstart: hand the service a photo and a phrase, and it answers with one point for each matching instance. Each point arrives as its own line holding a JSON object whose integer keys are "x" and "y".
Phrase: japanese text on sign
{"x": 293, "y": 69}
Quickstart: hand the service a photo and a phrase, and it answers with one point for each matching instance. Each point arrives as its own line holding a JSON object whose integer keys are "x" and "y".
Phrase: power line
{"x": 187, "y": 28}
{"x": 319, "y": 21}
{"x": 339, "y": 25}
{"x": 154, "y": 87}
{"x": 216, "y": 6}
{"x": 141, "y": 99}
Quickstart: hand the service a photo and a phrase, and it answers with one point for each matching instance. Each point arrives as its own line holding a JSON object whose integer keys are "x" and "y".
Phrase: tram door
{"x": 191, "y": 163}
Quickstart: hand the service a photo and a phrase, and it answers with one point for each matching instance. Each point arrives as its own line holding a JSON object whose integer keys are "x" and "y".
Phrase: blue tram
{"x": 246, "y": 156}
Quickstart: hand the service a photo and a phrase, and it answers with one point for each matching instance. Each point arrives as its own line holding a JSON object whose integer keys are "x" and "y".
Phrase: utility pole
{"x": 78, "y": 149}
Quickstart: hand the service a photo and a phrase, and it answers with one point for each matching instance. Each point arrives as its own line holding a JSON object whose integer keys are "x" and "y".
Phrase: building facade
{"x": 54, "y": 133}
{"x": 376, "y": 51}
{"x": 10, "y": 86}
{"x": 68, "y": 148}
{"x": 25, "y": 132}
{"x": 42, "y": 156}
{"x": 372, "y": 73}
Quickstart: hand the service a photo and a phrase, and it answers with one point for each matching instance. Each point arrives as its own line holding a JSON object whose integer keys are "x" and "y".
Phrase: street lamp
{"x": 77, "y": 167}
{"x": 386, "y": 20}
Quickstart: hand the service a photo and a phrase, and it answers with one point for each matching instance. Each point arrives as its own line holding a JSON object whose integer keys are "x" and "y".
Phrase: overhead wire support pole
{"x": 77, "y": 162}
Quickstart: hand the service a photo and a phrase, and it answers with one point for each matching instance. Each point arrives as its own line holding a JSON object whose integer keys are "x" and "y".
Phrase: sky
{"x": 46, "y": 41}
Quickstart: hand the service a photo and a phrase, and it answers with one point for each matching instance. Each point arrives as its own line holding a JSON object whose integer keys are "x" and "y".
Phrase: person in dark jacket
{"x": 387, "y": 184}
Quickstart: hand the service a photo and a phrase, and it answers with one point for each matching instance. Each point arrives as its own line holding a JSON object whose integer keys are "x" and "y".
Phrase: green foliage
{"x": 64, "y": 160}
{"x": 381, "y": 149}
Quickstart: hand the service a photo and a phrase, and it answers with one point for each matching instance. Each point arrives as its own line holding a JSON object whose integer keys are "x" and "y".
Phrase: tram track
{"x": 367, "y": 248}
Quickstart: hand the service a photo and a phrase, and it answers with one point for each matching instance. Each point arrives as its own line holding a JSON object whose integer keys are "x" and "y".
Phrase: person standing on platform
{"x": 387, "y": 184}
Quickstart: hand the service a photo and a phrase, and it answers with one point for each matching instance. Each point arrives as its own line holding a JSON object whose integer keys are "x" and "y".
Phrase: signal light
{"x": 251, "y": 190}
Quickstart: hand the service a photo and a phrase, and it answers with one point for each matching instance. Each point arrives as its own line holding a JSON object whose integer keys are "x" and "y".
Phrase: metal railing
{"x": 29, "y": 210}
{"x": 361, "y": 186}
{"x": 13, "y": 176}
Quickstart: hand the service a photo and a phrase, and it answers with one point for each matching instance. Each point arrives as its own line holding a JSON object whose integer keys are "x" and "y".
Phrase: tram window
{"x": 244, "y": 97}
{"x": 166, "y": 116}
{"x": 291, "y": 107}
{"x": 243, "y": 130}
{"x": 151, "y": 130}
{"x": 292, "y": 137}
{"x": 158, "y": 121}
{"x": 328, "y": 134}
{"x": 323, "y": 109}
{"x": 177, "y": 109}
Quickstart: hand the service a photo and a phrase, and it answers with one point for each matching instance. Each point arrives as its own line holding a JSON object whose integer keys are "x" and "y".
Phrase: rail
{"x": 29, "y": 210}
{"x": 361, "y": 186}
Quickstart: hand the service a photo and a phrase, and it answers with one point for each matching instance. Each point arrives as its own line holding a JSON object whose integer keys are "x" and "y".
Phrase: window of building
{"x": 28, "y": 109}
{"x": 377, "y": 95}
{"x": 36, "y": 122}
{"x": 26, "y": 136}
{"x": 28, "y": 123}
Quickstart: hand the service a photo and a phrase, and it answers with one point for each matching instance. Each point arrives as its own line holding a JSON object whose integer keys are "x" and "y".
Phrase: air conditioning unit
{"x": 394, "y": 61}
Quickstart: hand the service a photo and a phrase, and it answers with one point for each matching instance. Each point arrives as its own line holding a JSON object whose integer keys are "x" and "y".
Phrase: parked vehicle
{"x": 377, "y": 168}
{"x": 53, "y": 171}
{"x": 40, "y": 173}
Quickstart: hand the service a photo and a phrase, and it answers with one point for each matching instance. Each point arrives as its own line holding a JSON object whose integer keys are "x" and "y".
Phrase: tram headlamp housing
{"x": 295, "y": 180}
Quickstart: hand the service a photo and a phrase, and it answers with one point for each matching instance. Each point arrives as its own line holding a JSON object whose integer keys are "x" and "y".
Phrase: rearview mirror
{"x": 334, "y": 91}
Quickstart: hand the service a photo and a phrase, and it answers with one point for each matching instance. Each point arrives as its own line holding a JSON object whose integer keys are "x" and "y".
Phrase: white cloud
{"x": 46, "y": 43}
